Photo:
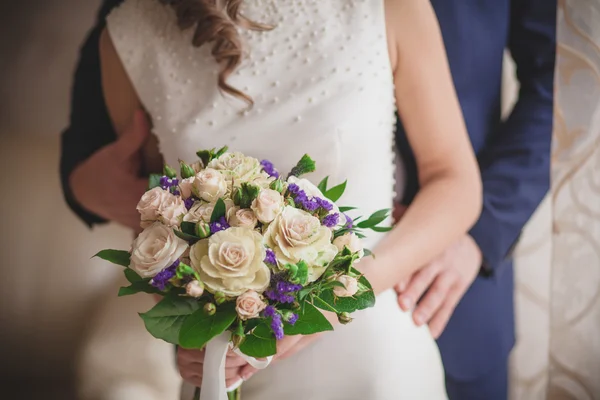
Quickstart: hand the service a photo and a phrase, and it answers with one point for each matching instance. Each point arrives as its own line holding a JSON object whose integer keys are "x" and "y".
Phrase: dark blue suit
{"x": 514, "y": 157}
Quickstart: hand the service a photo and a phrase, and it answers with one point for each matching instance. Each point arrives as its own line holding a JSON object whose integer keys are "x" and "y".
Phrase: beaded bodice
{"x": 321, "y": 81}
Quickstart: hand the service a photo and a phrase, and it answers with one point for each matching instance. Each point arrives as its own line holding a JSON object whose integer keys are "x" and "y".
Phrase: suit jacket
{"x": 514, "y": 157}
{"x": 513, "y": 154}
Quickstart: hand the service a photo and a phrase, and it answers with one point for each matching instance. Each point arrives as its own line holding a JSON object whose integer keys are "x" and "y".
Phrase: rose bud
{"x": 210, "y": 309}
{"x": 350, "y": 286}
{"x": 170, "y": 172}
{"x": 344, "y": 318}
{"x": 202, "y": 230}
{"x": 236, "y": 196}
{"x": 186, "y": 170}
{"x": 194, "y": 289}
{"x": 220, "y": 298}
{"x": 278, "y": 185}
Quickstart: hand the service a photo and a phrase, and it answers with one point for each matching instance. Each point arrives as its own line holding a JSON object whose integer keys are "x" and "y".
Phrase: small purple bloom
{"x": 271, "y": 259}
{"x": 188, "y": 203}
{"x": 164, "y": 181}
{"x": 311, "y": 205}
{"x": 293, "y": 188}
{"x": 161, "y": 279}
{"x": 174, "y": 182}
{"x": 270, "y": 311}
{"x": 219, "y": 225}
{"x": 324, "y": 204}
{"x": 331, "y": 220}
{"x": 175, "y": 192}
{"x": 277, "y": 326}
{"x": 349, "y": 222}
{"x": 293, "y": 319}
{"x": 268, "y": 167}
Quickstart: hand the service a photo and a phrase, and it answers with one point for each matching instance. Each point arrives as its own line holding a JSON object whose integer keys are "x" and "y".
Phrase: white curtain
{"x": 558, "y": 260}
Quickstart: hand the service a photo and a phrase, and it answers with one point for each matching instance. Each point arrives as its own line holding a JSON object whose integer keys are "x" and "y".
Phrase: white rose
{"x": 350, "y": 286}
{"x": 351, "y": 241}
{"x": 209, "y": 185}
{"x": 237, "y": 166}
{"x": 232, "y": 262}
{"x": 242, "y": 217}
{"x": 296, "y": 235}
{"x": 267, "y": 205}
{"x": 203, "y": 211}
{"x": 249, "y": 305}
{"x": 312, "y": 190}
{"x": 155, "y": 249}
{"x": 149, "y": 204}
{"x": 185, "y": 187}
{"x": 172, "y": 210}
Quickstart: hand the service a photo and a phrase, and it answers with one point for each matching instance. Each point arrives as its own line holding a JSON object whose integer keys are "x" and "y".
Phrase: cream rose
{"x": 232, "y": 262}
{"x": 267, "y": 205}
{"x": 209, "y": 185}
{"x": 312, "y": 190}
{"x": 350, "y": 286}
{"x": 149, "y": 204}
{"x": 203, "y": 211}
{"x": 296, "y": 235}
{"x": 249, "y": 305}
{"x": 154, "y": 249}
{"x": 242, "y": 217}
{"x": 172, "y": 210}
{"x": 237, "y": 166}
{"x": 351, "y": 241}
{"x": 185, "y": 187}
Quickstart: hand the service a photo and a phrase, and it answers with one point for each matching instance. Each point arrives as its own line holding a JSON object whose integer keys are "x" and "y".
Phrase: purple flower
{"x": 268, "y": 167}
{"x": 349, "y": 222}
{"x": 175, "y": 192}
{"x": 161, "y": 279}
{"x": 311, "y": 205}
{"x": 324, "y": 204}
{"x": 188, "y": 203}
{"x": 219, "y": 225}
{"x": 270, "y": 311}
{"x": 293, "y": 188}
{"x": 164, "y": 181}
{"x": 281, "y": 290}
{"x": 271, "y": 259}
{"x": 277, "y": 326}
{"x": 292, "y": 320}
{"x": 331, "y": 220}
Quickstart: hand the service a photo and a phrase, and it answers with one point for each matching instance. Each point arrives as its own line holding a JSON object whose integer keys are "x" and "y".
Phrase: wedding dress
{"x": 322, "y": 85}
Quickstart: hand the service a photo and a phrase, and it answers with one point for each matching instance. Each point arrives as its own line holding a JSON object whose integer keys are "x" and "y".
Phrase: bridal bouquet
{"x": 243, "y": 256}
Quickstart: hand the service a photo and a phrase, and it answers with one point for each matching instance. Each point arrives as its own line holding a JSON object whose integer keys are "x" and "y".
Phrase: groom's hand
{"x": 108, "y": 182}
{"x": 445, "y": 280}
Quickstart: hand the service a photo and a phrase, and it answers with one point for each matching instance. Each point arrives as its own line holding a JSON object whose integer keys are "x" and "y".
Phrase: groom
{"x": 514, "y": 157}
{"x": 100, "y": 175}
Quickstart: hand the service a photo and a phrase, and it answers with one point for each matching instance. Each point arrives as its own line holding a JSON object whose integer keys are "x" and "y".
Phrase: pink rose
{"x": 350, "y": 286}
{"x": 249, "y": 305}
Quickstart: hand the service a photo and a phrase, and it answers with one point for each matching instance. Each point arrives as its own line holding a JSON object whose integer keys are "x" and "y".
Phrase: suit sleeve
{"x": 515, "y": 163}
{"x": 89, "y": 123}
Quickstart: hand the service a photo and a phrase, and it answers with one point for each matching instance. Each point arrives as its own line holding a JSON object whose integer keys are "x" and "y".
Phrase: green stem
{"x": 235, "y": 395}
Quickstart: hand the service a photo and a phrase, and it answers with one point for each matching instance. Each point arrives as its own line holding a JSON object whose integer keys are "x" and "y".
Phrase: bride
{"x": 275, "y": 79}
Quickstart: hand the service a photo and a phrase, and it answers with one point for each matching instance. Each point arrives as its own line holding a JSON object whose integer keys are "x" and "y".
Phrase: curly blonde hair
{"x": 212, "y": 25}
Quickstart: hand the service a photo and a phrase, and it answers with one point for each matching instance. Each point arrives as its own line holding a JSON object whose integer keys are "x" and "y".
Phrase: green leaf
{"x": 205, "y": 155}
{"x": 304, "y": 166}
{"x": 310, "y": 321}
{"x": 119, "y": 257}
{"x": 165, "y": 320}
{"x": 375, "y": 219}
{"x": 200, "y": 327}
{"x": 142, "y": 286}
{"x": 323, "y": 184}
{"x": 346, "y": 209}
{"x": 260, "y": 343}
{"x": 218, "y": 211}
{"x": 185, "y": 236}
{"x": 368, "y": 253}
{"x": 154, "y": 181}
{"x": 220, "y": 152}
{"x": 348, "y": 304}
{"x": 249, "y": 192}
{"x": 382, "y": 229}
{"x": 336, "y": 192}
{"x": 132, "y": 276}
{"x": 189, "y": 228}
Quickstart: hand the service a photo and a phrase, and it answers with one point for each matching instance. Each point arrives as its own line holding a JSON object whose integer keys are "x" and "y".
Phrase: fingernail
{"x": 419, "y": 318}
{"x": 405, "y": 303}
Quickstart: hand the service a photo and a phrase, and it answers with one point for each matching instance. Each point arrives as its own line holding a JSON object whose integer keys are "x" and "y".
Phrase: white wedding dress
{"x": 322, "y": 85}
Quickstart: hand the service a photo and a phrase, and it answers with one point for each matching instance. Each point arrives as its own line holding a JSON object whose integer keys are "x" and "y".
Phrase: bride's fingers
{"x": 417, "y": 286}
{"x": 440, "y": 319}
{"x": 192, "y": 378}
{"x": 235, "y": 360}
{"x": 190, "y": 355}
{"x": 433, "y": 300}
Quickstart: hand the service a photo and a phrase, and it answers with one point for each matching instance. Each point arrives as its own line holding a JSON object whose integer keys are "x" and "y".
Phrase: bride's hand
{"x": 191, "y": 363}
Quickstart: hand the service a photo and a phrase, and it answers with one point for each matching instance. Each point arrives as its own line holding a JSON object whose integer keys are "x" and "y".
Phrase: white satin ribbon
{"x": 213, "y": 375}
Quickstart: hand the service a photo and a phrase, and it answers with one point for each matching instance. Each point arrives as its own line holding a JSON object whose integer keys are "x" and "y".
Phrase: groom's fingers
{"x": 440, "y": 320}
{"x": 433, "y": 300}
{"x": 417, "y": 286}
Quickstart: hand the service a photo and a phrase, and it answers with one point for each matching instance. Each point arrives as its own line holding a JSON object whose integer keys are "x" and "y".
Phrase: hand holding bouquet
{"x": 243, "y": 256}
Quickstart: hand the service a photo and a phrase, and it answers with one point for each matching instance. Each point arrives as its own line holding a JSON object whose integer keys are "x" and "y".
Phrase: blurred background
{"x": 57, "y": 337}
